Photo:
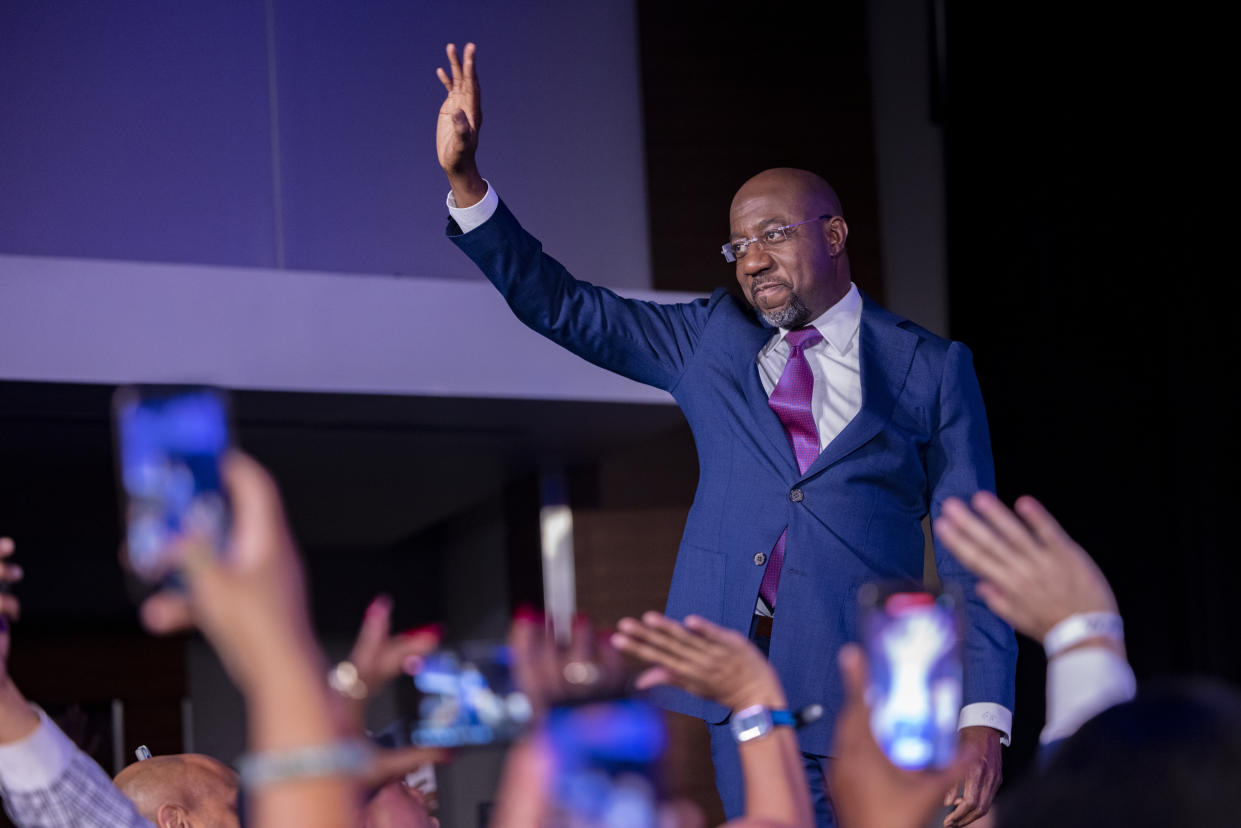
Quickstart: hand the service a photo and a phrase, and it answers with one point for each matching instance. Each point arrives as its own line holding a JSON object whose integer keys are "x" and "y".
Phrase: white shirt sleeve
{"x": 1081, "y": 684}
{"x": 988, "y": 714}
{"x": 37, "y": 761}
{"x": 468, "y": 218}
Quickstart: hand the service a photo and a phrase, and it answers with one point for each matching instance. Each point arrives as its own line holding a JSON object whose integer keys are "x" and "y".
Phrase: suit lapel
{"x": 766, "y": 422}
{"x": 886, "y": 354}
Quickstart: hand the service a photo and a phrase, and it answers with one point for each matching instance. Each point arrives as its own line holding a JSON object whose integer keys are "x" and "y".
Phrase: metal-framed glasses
{"x": 737, "y": 248}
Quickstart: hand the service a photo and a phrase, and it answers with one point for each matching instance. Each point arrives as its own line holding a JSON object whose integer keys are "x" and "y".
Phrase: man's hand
{"x": 456, "y": 130}
{"x": 1033, "y": 574}
{"x": 709, "y": 661}
{"x": 979, "y": 779}
{"x": 867, "y": 790}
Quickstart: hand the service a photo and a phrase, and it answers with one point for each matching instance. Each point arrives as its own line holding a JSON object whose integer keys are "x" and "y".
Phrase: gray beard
{"x": 793, "y": 315}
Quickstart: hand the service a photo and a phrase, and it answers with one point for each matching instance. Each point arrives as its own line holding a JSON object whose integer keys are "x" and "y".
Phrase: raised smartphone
{"x": 467, "y": 697}
{"x": 912, "y": 641}
{"x": 170, "y": 441}
{"x": 606, "y": 755}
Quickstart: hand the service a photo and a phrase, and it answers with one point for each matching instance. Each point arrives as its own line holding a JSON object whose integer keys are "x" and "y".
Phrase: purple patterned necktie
{"x": 791, "y": 402}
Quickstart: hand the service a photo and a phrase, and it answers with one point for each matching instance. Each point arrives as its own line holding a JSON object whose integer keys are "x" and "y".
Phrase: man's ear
{"x": 172, "y": 816}
{"x": 837, "y": 232}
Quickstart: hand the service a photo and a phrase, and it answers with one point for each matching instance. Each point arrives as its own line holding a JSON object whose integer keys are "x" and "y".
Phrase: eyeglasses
{"x": 737, "y": 249}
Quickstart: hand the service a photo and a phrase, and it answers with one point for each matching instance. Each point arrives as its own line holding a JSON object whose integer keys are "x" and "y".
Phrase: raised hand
{"x": 867, "y": 789}
{"x": 456, "y": 130}
{"x": 1033, "y": 574}
{"x": 700, "y": 657}
{"x": 251, "y": 604}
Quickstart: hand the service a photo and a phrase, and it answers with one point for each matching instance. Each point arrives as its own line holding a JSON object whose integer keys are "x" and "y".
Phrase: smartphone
{"x": 606, "y": 755}
{"x": 466, "y": 696}
{"x": 170, "y": 441}
{"x": 912, "y": 641}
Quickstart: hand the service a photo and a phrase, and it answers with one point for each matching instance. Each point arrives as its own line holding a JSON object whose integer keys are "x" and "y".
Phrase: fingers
{"x": 652, "y": 677}
{"x": 453, "y": 63}
{"x": 1044, "y": 526}
{"x": 256, "y": 500}
{"x": 376, "y": 624}
{"x": 166, "y": 612}
{"x": 975, "y": 798}
{"x": 444, "y": 79}
{"x": 7, "y": 547}
{"x": 1004, "y": 522}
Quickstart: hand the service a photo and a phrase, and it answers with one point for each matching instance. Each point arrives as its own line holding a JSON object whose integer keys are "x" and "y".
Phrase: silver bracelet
{"x": 1080, "y": 626}
{"x": 272, "y": 766}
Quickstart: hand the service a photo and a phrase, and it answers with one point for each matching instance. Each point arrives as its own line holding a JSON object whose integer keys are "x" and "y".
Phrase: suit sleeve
{"x": 645, "y": 341}
{"x": 958, "y": 465}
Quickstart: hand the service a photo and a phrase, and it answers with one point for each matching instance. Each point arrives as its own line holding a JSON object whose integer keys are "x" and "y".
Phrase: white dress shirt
{"x": 836, "y": 399}
{"x": 47, "y": 782}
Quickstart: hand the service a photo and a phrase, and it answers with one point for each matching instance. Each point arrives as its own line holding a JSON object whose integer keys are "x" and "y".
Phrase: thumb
{"x": 166, "y": 612}
{"x": 461, "y": 123}
{"x": 853, "y": 672}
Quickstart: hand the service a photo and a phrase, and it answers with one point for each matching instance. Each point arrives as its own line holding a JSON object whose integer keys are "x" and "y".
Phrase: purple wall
{"x": 273, "y": 133}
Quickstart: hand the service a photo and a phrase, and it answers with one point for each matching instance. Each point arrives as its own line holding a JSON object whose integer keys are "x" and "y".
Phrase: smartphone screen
{"x": 467, "y": 697}
{"x": 606, "y": 755}
{"x": 170, "y": 442}
{"x": 912, "y": 644}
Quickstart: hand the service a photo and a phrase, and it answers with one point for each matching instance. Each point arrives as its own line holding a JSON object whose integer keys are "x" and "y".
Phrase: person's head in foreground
{"x": 186, "y": 790}
{"x": 1172, "y": 756}
{"x": 787, "y": 237}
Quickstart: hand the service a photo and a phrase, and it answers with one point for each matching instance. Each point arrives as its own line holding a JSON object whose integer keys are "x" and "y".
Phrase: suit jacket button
{"x": 759, "y": 558}
{"x": 797, "y": 495}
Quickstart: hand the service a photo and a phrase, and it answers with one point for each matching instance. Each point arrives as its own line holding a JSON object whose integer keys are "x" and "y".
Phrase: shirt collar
{"x": 838, "y": 324}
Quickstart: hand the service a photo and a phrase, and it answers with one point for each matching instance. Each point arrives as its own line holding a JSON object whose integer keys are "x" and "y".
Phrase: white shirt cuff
{"x": 468, "y": 218}
{"x": 37, "y": 761}
{"x": 988, "y": 714}
{"x": 1081, "y": 684}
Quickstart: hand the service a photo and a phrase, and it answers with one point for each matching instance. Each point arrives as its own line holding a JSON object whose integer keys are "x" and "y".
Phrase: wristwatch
{"x": 756, "y": 721}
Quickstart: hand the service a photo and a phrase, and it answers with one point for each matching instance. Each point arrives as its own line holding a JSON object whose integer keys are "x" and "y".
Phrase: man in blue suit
{"x": 817, "y": 460}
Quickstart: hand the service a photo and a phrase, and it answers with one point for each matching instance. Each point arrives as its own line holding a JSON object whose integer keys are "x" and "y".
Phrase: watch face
{"x": 751, "y": 723}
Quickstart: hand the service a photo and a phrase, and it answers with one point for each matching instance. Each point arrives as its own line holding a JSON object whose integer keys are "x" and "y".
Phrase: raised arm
{"x": 456, "y": 130}
{"x": 725, "y": 667}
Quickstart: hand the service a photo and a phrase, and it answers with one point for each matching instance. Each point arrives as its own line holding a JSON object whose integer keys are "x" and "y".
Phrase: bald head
{"x": 788, "y": 237}
{"x": 800, "y": 188}
{"x": 187, "y": 789}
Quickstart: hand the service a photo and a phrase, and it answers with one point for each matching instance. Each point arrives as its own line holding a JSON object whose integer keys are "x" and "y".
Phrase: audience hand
{"x": 868, "y": 791}
{"x": 549, "y": 673}
{"x": 250, "y": 602}
{"x": 17, "y": 720}
{"x": 712, "y": 662}
{"x": 1033, "y": 574}
{"x": 10, "y": 573}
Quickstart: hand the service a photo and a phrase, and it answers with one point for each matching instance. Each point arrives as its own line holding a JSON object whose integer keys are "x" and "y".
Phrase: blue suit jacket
{"x": 921, "y": 436}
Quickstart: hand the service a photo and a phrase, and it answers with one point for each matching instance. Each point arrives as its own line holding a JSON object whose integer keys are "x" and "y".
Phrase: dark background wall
{"x": 1088, "y": 202}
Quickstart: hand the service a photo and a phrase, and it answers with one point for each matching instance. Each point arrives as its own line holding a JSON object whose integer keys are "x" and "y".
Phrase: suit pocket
{"x": 697, "y": 584}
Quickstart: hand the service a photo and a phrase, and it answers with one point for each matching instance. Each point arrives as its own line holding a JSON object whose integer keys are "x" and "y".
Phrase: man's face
{"x": 792, "y": 282}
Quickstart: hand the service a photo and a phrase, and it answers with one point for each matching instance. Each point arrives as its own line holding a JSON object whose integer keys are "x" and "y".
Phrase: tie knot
{"x": 802, "y": 338}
